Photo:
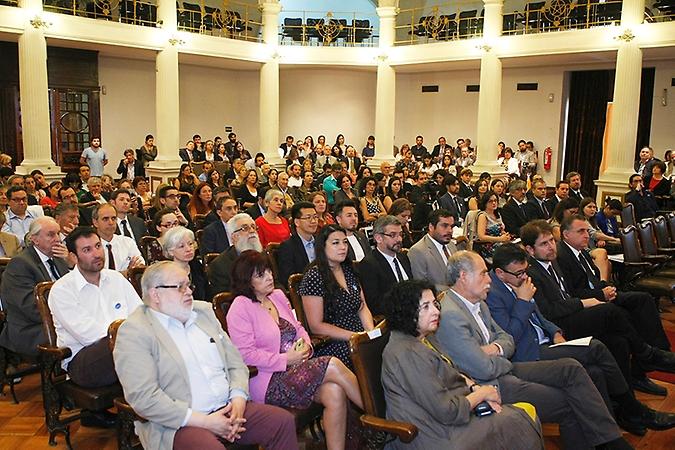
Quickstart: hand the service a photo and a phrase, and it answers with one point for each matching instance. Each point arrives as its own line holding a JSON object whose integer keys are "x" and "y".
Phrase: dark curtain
{"x": 589, "y": 93}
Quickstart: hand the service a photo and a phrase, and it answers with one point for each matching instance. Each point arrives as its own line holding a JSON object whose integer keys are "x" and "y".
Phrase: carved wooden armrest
{"x": 404, "y": 431}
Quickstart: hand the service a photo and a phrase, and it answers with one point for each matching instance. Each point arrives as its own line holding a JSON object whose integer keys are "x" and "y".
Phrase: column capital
{"x": 269, "y": 6}
{"x": 493, "y": 2}
{"x": 387, "y": 3}
{"x": 387, "y": 12}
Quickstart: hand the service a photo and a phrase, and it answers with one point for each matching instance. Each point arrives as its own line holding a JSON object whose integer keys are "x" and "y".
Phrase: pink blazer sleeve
{"x": 256, "y": 335}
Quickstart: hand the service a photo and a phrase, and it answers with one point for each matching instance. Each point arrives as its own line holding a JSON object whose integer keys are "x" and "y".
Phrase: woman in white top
{"x": 510, "y": 163}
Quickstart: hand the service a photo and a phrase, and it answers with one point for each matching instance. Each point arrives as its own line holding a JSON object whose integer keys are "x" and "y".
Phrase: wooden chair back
{"x": 628, "y": 215}
{"x": 296, "y": 301}
{"x": 272, "y": 250}
{"x": 647, "y": 238}
{"x": 41, "y": 295}
{"x": 671, "y": 226}
{"x": 151, "y": 249}
{"x": 112, "y": 332}
{"x": 134, "y": 275}
{"x": 208, "y": 259}
{"x": 366, "y": 354}
{"x": 221, "y": 305}
{"x": 662, "y": 233}
{"x": 198, "y": 221}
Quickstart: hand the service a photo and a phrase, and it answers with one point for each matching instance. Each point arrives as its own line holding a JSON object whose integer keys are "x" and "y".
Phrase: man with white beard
{"x": 244, "y": 234}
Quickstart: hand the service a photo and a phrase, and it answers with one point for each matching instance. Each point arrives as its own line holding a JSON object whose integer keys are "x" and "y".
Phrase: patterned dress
{"x": 345, "y": 313}
{"x": 373, "y": 208}
{"x": 295, "y": 388}
{"x": 492, "y": 228}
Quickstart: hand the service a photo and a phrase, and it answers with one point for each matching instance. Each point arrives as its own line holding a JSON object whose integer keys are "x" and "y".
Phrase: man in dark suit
{"x": 465, "y": 188}
{"x": 214, "y": 237}
{"x": 130, "y": 168}
{"x": 581, "y": 317}
{"x": 189, "y": 153}
{"x": 297, "y": 252}
{"x": 643, "y": 166}
{"x": 352, "y": 160}
{"x": 286, "y": 147}
{"x": 562, "y": 190}
{"x": 347, "y": 216}
{"x": 127, "y": 224}
{"x": 258, "y": 209}
{"x": 244, "y": 235}
{"x": 535, "y": 208}
{"x": 439, "y": 149}
{"x": 513, "y": 212}
{"x": 574, "y": 181}
{"x": 512, "y": 305}
{"x": 643, "y": 200}
{"x": 41, "y": 261}
{"x": 451, "y": 200}
{"x": 560, "y": 390}
{"x": 418, "y": 150}
{"x": 381, "y": 270}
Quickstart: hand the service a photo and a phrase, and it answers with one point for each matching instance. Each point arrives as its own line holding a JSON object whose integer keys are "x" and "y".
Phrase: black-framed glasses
{"x": 312, "y": 217}
{"x": 248, "y": 228}
{"x": 518, "y": 274}
{"x": 392, "y": 235}
{"x": 182, "y": 288}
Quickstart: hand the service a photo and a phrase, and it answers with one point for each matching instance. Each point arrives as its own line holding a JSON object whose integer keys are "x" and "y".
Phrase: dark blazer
{"x": 139, "y": 170}
{"x": 357, "y": 163}
{"x": 23, "y": 329}
{"x": 513, "y": 217}
{"x": 364, "y": 244}
{"x": 513, "y": 315}
{"x": 552, "y": 302}
{"x": 218, "y": 272}
{"x": 437, "y": 152}
{"x": 378, "y": 278}
{"x": 582, "y": 194}
{"x": 645, "y": 204}
{"x": 291, "y": 258}
{"x": 286, "y": 149}
{"x": 446, "y": 202}
{"x": 648, "y": 167}
{"x": 418, "y": 152}
{"x": 198, "y": 280}
{"x": 534, "y": 211}
{"x": 183, "y": 153}
{"x": 661, "y": 188}
{"x": 464, "y": 190}
{"x": 577, "y": 277}
{"x": 551, "y": 204}
{"x": 214, "y": 239}
{"x": 254, "y": 211}
{"x": 137, "y": 227}
{"x": 210, "y": 218}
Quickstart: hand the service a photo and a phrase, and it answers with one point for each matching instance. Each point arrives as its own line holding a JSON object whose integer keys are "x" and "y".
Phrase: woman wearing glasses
{"x": 272, "y": 227}
{"x": 423, "y": 387}
{"x": 178, "y": 245}
{"x": 262, "y": 326}
{"x": 332, "y": 296}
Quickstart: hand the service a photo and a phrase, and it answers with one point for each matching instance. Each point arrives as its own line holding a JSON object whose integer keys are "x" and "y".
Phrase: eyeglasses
{"x": 312, "y": 217}
{"x": 248, "y": 228}
{"x": 519, "y": 273}
{"x": 182, "y": 288}
{"x": 171, "y": 196}
{"x": 19, "y": 200}
{"x": 170, "y": 224}
{"x": 392, "y": 235}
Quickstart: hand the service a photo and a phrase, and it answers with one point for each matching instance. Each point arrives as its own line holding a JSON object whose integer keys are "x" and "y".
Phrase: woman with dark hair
{"x": 294, "y": 157}
{"x": 318, "y": 199}
{"x": 262, "y": 326}
{"x": 658, "y": 184}
{"x": 489, "y": 226}
{"x": 241, "y": 153}
{"x": 589, "y": 209}
{"x": 422, "y": 386}
{"x": 272, "y": 178}
{"x": 497, "y": 186}
{"x": 332, "y": 296}
{"x": 202, "y": 200}
{"x": 371, "y": 205}
{"x": 214, "y": 179}
{"x": 52, "y": 200}
{"x": 339, "y": 148}
{"x": 309, "y": 142}
{"x": 346, "y": 191}
{"x": 185, "y": 182}
{"x": 221, "y": 152}
{"x": 247, "y": 195}
{"x": 364, "y": 172}
{"x": 394, "y": 192}
{"x": 402, "y": 210}
{"x": 565, "y": 208}
{"x": 480, "y": 188}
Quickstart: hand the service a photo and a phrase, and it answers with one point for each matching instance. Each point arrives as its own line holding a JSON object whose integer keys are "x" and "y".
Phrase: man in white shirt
{"x": 19, "y": 214}
{"x": 95, "y": 157}
{"x": 127, "y": 224}
{"x": 120, "y": 252}
{"x": 347, "y": 217}
{"x": 83, "y": 303}
{"x": 295, "y": 176}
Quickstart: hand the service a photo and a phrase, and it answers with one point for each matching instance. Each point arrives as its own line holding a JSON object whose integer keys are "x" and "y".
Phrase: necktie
{"x": 460, "y": 215}
{"x": 551, "y": 270}
{"x": 397, "y": 267}
{"x": 326, "y": 160}
{"x": 111, "y": 258}
{"x": 522, "y": 209}
{"x": 543, "y": 209}
{"x": 310, "y": 251}
{"x": 446, "y": 253}
{"x": 592, "y": 279}
{"x": 52, "y": 268}
{"x": 125, "y": 229}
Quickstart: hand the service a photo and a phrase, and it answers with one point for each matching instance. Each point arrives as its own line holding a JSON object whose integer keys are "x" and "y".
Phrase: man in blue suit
{"x": 215, "y": 238}
{"x": 511, "y": 303}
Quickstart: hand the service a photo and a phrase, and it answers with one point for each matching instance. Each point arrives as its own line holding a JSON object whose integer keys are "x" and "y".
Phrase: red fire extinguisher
{"x": 548, "y": 153}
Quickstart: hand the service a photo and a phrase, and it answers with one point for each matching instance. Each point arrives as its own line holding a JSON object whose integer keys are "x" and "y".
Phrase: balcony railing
{"x": 231, "y": 19}
{"x": 659, "y": 10}
{"x": 323, "y": 28}
{"x": 125, "y": 11}
{"x": 441, "y": 22}
{"x": 9, "y": 2}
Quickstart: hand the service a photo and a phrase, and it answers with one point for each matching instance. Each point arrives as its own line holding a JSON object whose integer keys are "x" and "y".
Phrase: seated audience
{"x": 402, "y": 210}
{"x": 490, "y": 228}
{"x": 480, "y": 188}
{"x": 564, "y": 208}
{"x": 606, "y": 217}
{"x": 9, "y": 243}
{"x": 272, "y": 227}
{"x": 394, "y": 192}
{"x": 330, "y": 183}
{"x": 298, "y": 251}
{"x": 562, "y": 191}
{"x": 589, "y": 209}
{"x": 179, "y": 246}
{"x": 371, "y": 205}
{"x": 19, "y": 215}
{"x": 347, "y": 217}
{"x": 143, "y": 195}
{"x": 429, "y": 256}
{"x": 332, "y": 296}
{"x": 424, "y": 387}
{"x": 169, "y": 197}
{"x": 452, "y": 201}
{"x": 346, "y": 191}
{"x": 53, "y": 199}
{"x": 83, "y": 303}
{"x": 129, "y": 167}
{"x": 269, "y": 337}
{"x": 386, "y": 265}
{"x": 536, "y": 208}
{"x": 247, "y": 195}
{"x": 575, "y": 191}
{"x": 287, "y": 192}
{"x": 560, "y": 390}
{"x": 513, "y": 213}
{"x": 209, "y": 408}
{"x": 201, "y": 201}
{"x": 95, "y": 192}
{"x": 643, "y": 200}
{"x": 215, "y": 238}
{"x": 320, "y": 205}
{"x": 128, "y": 224}
{"x": 186, "y": 181}
{"x": 243, "y": 231}
{"x": 119, "y": 252}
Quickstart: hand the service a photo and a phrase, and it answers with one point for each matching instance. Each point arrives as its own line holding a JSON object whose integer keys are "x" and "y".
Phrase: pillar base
{"x": 612, "y": 183}
{"x": 51, "y": 171}
{"x": 491, "y": 167}
{"x": 162, "y": 171}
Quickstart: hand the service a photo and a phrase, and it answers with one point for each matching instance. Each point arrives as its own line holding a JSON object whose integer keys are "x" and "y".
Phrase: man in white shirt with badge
{"x": 120, "y": 252}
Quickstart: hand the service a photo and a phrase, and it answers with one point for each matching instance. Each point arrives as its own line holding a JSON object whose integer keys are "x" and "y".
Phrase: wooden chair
{"x": 57, "y": 390}
{"x": 151, "y": 250}
{"x": 208, "y": 259}
{"x": 641, "y": 274}
{"x": 662, "y": 234}
{"x": 198, "y": 221}
{"x": 366, "y": 353}
{"x": 296, "y": 302}
{"x": 272, "y": 250}
{"x": 221, "y": 305}
{"x": 134, "y": 275}
{"x": 671, "y": 226}
{"x": 650, "y": 250}
{"x": 628, "y": 215}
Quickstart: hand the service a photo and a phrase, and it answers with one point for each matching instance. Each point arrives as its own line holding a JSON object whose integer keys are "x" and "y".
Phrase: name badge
{"x": 118, "y": 305}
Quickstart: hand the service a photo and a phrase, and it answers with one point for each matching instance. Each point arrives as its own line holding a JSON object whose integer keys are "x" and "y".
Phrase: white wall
{"x": 663, "y": 117}
{"x": 328, "y": 102}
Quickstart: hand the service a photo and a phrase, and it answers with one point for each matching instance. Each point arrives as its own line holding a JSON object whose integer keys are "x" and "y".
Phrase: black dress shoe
{"x": 632, "y": 424}
{"x": 660, "y": 360}
{"x": 99, "y": 419}
{"x": 648, "y": 387}
{"x": 657, "y": 420}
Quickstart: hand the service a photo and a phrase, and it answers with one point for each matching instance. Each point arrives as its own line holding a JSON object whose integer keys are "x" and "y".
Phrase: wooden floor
{"x": 22, "y": 426}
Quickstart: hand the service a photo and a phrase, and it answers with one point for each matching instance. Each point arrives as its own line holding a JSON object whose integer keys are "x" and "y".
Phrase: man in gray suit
{"x": 41, "y": 261}
{"x": 560, "y": 390}
{"x": 429, "y": 256}
{"x": 181, "y": 372}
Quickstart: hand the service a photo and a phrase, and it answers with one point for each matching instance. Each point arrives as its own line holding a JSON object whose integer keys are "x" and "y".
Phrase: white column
{"x": 623, "y": 126}
{"x": 385, "y": 97}
{"x": 269, "y": 84}
{"x": 167, "y": 109}
{"x": 34, "y": 95}
{"x": 490, "y": 95}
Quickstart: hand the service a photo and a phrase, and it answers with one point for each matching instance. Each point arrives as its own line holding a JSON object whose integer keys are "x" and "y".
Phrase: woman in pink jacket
{"x": 262, "y": 326}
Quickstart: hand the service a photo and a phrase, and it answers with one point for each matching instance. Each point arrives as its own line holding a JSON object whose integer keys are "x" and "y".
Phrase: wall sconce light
{"x": 38, "y": 22}
{"x": 626, "y": 36}
{"x": 176, "y": 41}
{"x": 159, "y": 23}
{"x": 484, "y": 47}
{"x": 551, "y": 97}
{"x": 664, "y": 98}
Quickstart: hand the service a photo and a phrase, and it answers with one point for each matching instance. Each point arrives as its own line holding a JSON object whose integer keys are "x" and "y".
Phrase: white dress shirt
{"x": 294, "y": 182}
{"x": 359, "y": 254}
{"x": 474, "y": 309}
{"x": 119, "y": 225}
{"x": 439, "y": 247}
{"x": 390, "y": 260}
{"x": 18, "y": 226}
{"x": 82, "y": 311}
{"x": 123, "y": 249}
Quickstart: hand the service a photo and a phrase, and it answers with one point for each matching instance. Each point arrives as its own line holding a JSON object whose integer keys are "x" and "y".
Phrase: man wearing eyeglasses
{"x": 169, "y": 198}
{"x": 244, "y": 233}
{"x": 511, "y": 303}
{"x": 296, "y": 252}
{"x": 386, "y": 265}
{"x": 19, "y": 214}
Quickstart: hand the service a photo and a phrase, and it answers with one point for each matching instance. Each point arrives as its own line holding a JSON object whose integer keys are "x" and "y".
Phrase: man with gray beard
{"x": 244, "y": 233}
